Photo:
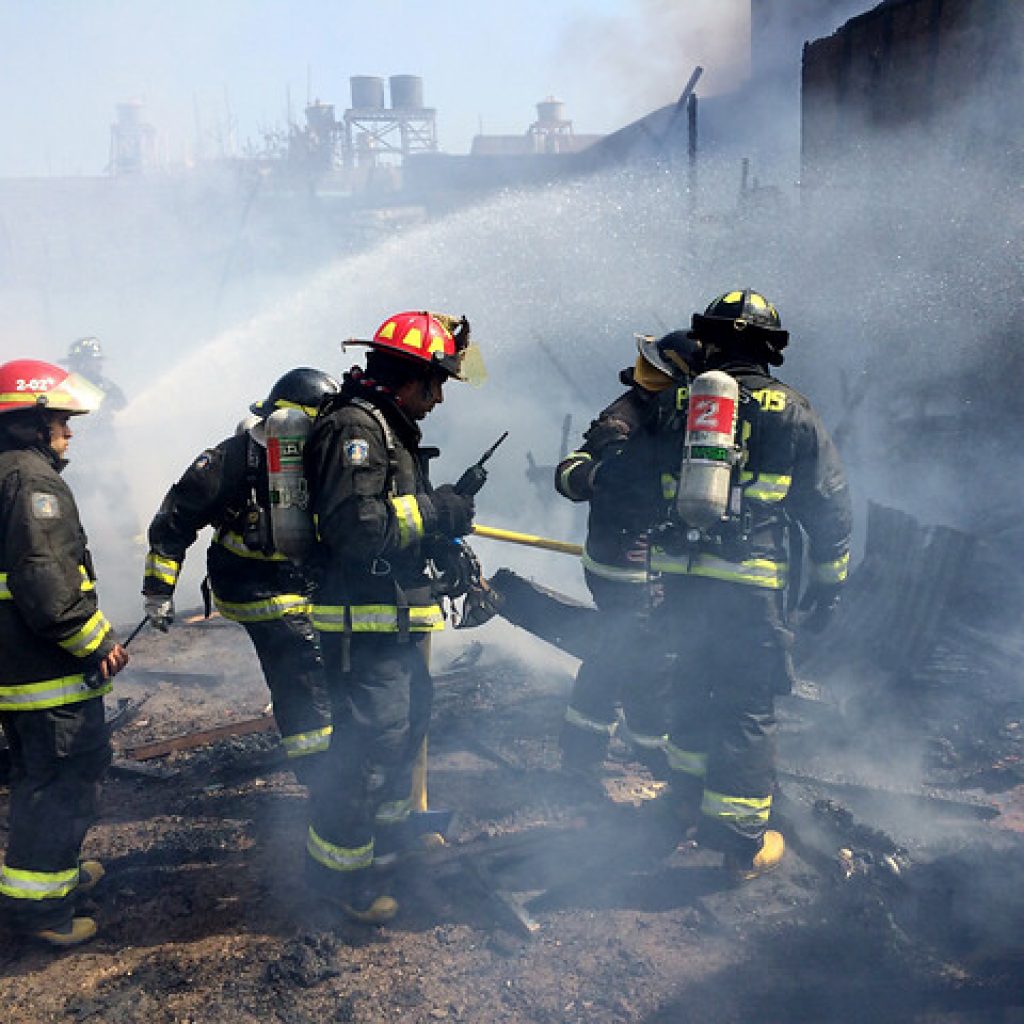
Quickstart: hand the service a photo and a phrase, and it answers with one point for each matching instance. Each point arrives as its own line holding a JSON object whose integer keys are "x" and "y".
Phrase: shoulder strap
{"x": 389, "y": 437}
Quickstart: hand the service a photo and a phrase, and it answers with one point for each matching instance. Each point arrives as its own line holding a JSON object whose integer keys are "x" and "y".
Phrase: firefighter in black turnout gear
{"x": 251, "y": 581}
{"x": 615, "y": 564}
{"x": 59, "y": 655}
{"x": 379, "y": 522}
{"x": 726, "y": 580}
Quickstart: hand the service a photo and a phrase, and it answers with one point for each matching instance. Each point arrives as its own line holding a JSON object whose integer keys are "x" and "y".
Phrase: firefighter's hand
{"x": 159, "y": 610}
{"x": 113, "y": 662}
{"x": 454, "y": 511}
{"x": 612, "y": 473}
{"x": 819, "y": 604}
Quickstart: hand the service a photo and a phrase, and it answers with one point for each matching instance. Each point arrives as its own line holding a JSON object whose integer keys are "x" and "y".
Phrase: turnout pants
{"x": 617, "y": 670}
{"x": 381, "y": 713}
{"x": 58, "y": 757}
{"x": 289, "y": 654}
{"x": 732, "y": 659}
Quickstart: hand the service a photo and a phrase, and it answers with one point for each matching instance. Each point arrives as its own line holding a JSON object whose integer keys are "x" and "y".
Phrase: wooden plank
{"x": 200, "y": 738}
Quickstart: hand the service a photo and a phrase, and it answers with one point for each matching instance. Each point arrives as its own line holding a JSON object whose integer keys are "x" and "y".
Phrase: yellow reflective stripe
{"x": 648, "y": 741}
{"x": 302, "y": 743}
{"x": 85, "y": 640}
{"x": 163, "y": 569}
{"x": 409, "y": 518}
{"x": 376, "y": 618}
{"x": 578, "y": 458}
{"x": 689, "y": 762}
{"x": 5, "y": 590}
{"x": 767, "y": 487}
{"x": 234, "y": 543}
{"x": 86, "y": 584}
{"x": 309, "y": 410}
{"x": 338, "y": 858}
{"x": 832, "y": 572}
{"x": 265, "y": 609}
{"x": 51, "y": 693}
{"x": 669, "y": 485}
{"x": 581, "y": 721}
{"x": 19, "y": 884}
{"x": 393, "y": 812}
{"x": 613, "y": 572}
{"x": 744, "y": 810}
{"x": 757, "y": 572}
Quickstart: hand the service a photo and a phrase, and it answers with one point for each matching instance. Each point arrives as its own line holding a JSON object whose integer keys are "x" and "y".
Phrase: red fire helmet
{"x": 32, "y": 384}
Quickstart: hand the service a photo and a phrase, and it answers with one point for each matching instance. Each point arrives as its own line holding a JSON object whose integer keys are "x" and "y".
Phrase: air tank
{"x": 367, "y": 92}
{"x": 406, "y": 92}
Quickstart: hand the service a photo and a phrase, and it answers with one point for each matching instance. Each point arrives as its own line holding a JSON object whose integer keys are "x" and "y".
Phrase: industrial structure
{"x": 132, "y": 140}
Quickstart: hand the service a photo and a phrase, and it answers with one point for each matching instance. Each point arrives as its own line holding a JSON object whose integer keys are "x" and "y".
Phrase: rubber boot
{"x": 768, "y": 858}
{"x": 74, "y": 933}
{"x": 366, "y": 903}
{"x": 89, "y": 874}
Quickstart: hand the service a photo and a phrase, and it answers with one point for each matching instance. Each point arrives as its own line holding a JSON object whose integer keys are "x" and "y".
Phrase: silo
{"x": 367, "y": 92}
{"x": 406, "y": 92}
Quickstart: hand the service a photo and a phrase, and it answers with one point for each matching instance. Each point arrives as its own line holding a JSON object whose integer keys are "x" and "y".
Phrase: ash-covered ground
{"x": 543, "y": 907}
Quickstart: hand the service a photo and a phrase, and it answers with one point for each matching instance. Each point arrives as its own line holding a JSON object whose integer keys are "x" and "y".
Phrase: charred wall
{"x": 948, "y": 69}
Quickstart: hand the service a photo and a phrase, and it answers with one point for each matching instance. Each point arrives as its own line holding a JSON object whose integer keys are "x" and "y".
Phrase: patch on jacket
{"x": 202, "y": 462}
{"x": 44, "y": 506}
{"x": 357, "y": 451}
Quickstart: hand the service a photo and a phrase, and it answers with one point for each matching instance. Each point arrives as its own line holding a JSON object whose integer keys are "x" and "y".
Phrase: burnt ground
{"x": 893, "y": 903}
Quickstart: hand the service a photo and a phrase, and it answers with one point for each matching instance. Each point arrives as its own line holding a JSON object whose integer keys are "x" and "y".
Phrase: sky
{"x": 232, "y": 68}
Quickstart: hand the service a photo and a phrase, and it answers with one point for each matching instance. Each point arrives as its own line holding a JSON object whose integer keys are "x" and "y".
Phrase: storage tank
{"x": 367, "y": 92}
{"x": 551, "y": 111}
{"x": 406, "y": 92}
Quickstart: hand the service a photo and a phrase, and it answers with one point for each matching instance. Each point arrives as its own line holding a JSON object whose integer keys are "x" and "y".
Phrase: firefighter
{"x": 60, "y": 655}
{"x": 726, "y": 583}
{"x": 615, "y": 564}
{"x": 85, "y": 357}
{"x": 250, "y": 581}
{"x": 380, "y": 524}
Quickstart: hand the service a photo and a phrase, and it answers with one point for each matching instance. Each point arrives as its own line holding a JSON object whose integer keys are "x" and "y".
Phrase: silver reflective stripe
{"x": 573, "y": 717}
{"x": 51, "y": 693}
{"x": 302, "y": 743}
{"x": 832, "y": 572}
{"x": 338, "y": 858}
{"x": 766, "y": 487}
{"x": 19, "y": 884}
{"x": 645, "y": 741}
{"x": 578, "y": 458}
{"x": 613, "y": 572}
{"x": 234, "y": 543}
{"x": 409, "y": 518}
{"x": 743, "y": 810}
{"x": 686, "y": 761}
{"x": 757, "y": 572}
{"x": 376, "y": 618}
{"x": 85, "y": 640}
{"x": 5, "y": 591}
{"x": 163, "y": 569}
{"x": 394, "y": 812}
{"x": 264, "y": 610}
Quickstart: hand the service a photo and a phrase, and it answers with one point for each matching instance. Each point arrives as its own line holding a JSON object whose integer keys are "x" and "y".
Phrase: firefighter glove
{"x": 159, "y": 610}
{"x": 612, "y": 473}
{"x": 454, "y": 511}
{"x": 819, "y": 604}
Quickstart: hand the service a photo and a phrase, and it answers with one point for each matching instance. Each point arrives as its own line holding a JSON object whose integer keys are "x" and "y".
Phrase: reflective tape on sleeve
{"x": 84, "y": 641}
{"x": 393, "y": 812}
{"x": 408, "y": 517}
{"x": 573, "y": 461}
{"x": 87, "y": 584}
{"x": 165, "y": 570}
{"x": 587, "y": 724}
{"x": 5, "y": 590}
{"x": 767, "y": 487}
{"x": 618, "y": 573}
{"x": 338, "y": 858}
